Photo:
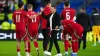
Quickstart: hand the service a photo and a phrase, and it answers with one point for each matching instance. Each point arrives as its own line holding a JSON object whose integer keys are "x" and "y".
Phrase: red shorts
{"x": 21, "y": 34}
{"x": 79, "y": 31}
{"x": 70, "y": 30}
{"x": 33, "y": 34}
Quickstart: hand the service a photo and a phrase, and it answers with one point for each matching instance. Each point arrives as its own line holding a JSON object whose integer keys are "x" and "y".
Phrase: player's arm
{"x": 38, "y": 20}
{"x": 74, "y": 19}
{"x": 45, "y": 16}
{"x": 62, "y": 17}
{"x": 13, "y": 20}
{"x": 26, "y": 20}
{"x": 63, "y": 36}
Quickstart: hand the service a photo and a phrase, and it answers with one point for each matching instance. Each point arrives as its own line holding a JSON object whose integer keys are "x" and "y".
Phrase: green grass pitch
{"x": 8, "y": 48}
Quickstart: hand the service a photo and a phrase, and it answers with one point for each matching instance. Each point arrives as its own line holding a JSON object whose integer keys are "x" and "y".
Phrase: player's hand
{"x": 42, "y": 9}
{"x": 56, "y": 27}
{"x": 39, "y": 13}
{"x": 31, "y": 17}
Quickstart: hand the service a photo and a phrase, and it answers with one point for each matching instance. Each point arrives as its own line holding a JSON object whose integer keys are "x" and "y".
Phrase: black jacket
{"x": 55, "y": 20}
{"x": 95, "y": 19}
{"x": 84, "y": 20}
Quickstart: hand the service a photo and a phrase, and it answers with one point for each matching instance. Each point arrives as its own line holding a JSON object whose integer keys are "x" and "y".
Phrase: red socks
{"x": 29, "y": 47}
{"x": 66, "y": 45}
{"x": 18, "y": 50}
{"x": 36, "y": 44}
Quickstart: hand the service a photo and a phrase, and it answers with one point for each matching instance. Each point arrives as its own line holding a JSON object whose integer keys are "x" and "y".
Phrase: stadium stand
{"x": 76, "y": 4}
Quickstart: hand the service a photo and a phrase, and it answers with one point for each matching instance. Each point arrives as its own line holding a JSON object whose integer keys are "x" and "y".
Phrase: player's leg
{"x": 25, "y": 38}
{"x": 79, "y": 32}
{"x": 66, "y": 44}
{"x": 45, "y": 39}
{"x": 89, "y": 36}
{"x": 74, "y": 48}
{"x": 29, "y": 47}
{"x": 94, "y": 28}
{"x": 98, "y": 35}
{"x": 65, "y": 39}
{"x": 84, "y": 39}
{"x": 56, "y": 44}
{"x": 43, "y": 33}
{"x": 51, "y": 43}
{"x": 50, "y": 46}
{"x": 36, "y": 44}
{"x": 26, "y": 48}
{"x": 18, "y": 42}
{"x": 79, "y": 42}
{"x": 18, "y": 48}
{"x": 35, "y": 37}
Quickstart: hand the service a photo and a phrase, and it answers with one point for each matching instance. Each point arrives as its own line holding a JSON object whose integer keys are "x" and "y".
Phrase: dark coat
{"x": 84, "y": 20}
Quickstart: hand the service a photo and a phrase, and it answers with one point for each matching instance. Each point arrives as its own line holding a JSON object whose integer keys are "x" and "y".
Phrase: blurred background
{"x": 7, "y": 7}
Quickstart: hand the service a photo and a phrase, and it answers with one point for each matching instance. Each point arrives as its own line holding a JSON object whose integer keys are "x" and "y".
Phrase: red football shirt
{"x": 33, "y": 24}
{"x": 68, "y": 14}
{"x": 44, "y": 21}
{"x": 19, "y": 18}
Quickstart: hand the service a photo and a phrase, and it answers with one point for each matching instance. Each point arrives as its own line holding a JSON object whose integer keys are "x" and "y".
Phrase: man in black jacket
{"x": 84, "y": 20}
{"x": 53, "y": 22}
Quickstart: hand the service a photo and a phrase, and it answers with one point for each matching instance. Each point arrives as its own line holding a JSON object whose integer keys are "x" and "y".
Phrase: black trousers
{"x": 84, "y": 40}
{"x": 53, "y": 39}
{"x": 46, "y": 38}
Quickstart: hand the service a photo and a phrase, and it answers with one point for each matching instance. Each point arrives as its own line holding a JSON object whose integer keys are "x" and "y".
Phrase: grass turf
{"x": 8, "y": 48}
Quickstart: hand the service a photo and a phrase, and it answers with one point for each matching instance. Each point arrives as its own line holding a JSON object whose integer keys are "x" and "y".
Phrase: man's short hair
{"x": 29, "y": 6}
{"x": 83, "y": 8}
{"x": 54, "y": 6}
{"x": 20, "y": 4}
{"x": 66, "y": 3}
{"x": 47, "y": 3}
{"x": 95, "y": 9}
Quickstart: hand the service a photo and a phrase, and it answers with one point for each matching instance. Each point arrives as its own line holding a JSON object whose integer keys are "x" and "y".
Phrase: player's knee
{"x": 34, "y": 40}
{"x": 18, "y": 41}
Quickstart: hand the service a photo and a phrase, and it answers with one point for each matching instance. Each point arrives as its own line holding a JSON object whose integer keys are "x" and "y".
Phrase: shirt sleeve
{"x": 13, "y": 18}
{"x": 62, "y": 17}
{"x": 26, "y": 17}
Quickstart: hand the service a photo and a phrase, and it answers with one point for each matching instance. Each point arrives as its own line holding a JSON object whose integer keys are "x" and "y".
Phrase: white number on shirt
{"x": 18, "y": 18}
{"x": 68, "y": 15}
{"x": 34, "y": 19}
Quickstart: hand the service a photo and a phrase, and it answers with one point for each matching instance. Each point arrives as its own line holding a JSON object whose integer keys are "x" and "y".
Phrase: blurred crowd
{"x": 6, "y": 10}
